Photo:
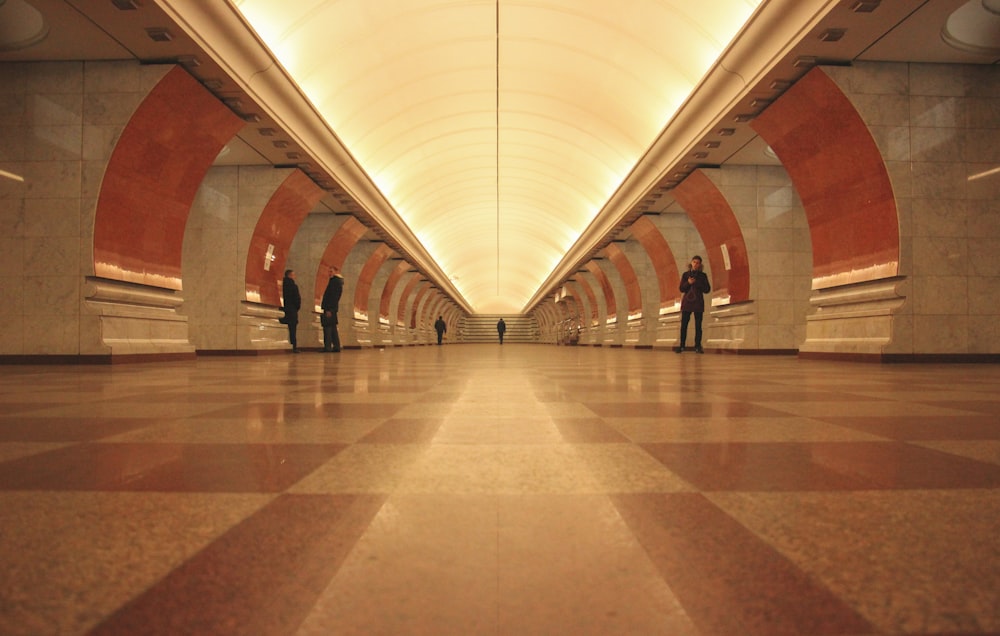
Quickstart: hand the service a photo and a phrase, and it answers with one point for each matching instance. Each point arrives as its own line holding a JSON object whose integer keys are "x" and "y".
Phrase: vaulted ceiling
{"x": 497, "y": 129}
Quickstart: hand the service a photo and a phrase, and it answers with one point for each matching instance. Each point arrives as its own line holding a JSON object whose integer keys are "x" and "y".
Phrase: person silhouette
{"x": 330, "y": 304}
{"x": 694, "y": 285}
{"x": 440, "y": 327}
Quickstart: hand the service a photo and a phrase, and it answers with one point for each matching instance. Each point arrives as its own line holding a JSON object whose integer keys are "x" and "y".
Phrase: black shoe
{"x": 699, "y": 350}
{"x": 295, "y": 350}
{"x": 336, "y": 350}
{"x": 679, "y": 350}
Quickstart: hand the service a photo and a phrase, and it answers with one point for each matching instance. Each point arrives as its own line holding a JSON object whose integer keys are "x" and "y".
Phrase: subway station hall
{"x": 512, "y": 317}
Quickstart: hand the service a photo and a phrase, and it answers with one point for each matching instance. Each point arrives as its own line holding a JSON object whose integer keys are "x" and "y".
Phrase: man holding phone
{"x": 694, "y": 286}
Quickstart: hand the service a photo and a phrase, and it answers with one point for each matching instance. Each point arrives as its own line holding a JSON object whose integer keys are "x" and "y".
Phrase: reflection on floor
{"x": 480, "y": 489}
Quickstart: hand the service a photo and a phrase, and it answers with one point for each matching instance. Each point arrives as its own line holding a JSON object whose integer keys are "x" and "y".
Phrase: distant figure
{"x": 292, "y": 301}
{"x": 694, "y": 286}
{"x": 331, "y": 301}
{"x": 501, "y": 328}
{"x": 440, "y": 328}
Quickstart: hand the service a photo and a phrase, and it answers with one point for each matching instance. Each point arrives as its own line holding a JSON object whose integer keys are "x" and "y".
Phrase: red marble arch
{"x": 609, "y": 293}
{"x": 152, "y": 178}
{"x": 841, "y": 178}
{"x": 662, "y": 257}
{"x": 426, "y": 287}
{"x": 572, "y": 308}
{"x": 340, "y": 245}
{"x": 720, "y": 232}
{"x": 633, "y": 291}
{"x": 406, "y": 298}
{"x": 591, "y": 298}
{"x": 390, "y": 286}
{"x": 432, "y": 308}
{"x": 288, "y": 207}
{"x": 367, "y": 276}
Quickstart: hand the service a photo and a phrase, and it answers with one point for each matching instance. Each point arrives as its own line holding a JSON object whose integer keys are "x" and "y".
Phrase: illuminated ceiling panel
{"x": 497, "y": 129}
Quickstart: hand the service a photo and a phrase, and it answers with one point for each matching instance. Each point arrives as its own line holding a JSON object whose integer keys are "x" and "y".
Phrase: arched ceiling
{"x": 497, "y": 129}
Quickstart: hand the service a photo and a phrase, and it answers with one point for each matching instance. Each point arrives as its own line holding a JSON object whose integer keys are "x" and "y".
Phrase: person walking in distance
{"x": 440, "y": 327}
{"x": 330, "y": 303}
{"x": 501, "y": 329}
{"x": 694, "y": 285}
{"x": 291, "y": 301}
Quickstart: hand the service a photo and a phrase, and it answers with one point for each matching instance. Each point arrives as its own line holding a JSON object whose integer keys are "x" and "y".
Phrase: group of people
{"x": 292, "y": 302}
{"x": 694, "y": 285}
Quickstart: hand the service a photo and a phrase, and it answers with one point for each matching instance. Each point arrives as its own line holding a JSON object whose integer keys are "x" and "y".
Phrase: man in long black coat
{"x": 440, "y": 327}
{"x": 292, "y": 301}
{"x": 330, "y": 303}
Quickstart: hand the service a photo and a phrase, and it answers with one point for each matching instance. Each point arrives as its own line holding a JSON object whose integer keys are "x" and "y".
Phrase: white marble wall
{"x": 615, "y": 331}
{"x": 59, "y": 127}
{"x": 779, "y": 254}
{"x": 938, "y": 127}
{"x": 217, "y": 237}
{"x": 643, "y": 331}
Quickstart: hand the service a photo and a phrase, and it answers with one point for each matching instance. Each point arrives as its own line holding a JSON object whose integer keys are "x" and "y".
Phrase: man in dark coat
{"x": 330, "y": 303}
{"x": 501, "y": 329}
{"x": 291, "y": 301}
{"x": 694, "y": 286}
{"x": 440, "y": 327}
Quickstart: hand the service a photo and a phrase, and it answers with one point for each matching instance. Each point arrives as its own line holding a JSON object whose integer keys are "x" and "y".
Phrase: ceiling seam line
{"x": 497, "y": 44}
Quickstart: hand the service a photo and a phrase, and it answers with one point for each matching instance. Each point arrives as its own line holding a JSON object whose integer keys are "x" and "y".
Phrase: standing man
{"x": 501, "y": 328}
{"x": 694, "y": 286}
{"x": 331, "y": 301}
{"x": 292, "y": 301}
{"x": 440, "y": 328}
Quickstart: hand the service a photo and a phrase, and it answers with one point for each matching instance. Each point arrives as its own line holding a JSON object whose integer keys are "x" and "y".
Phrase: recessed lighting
{"x": 865, "y": 6}
{"x": 832, "y": 35}
{"x": 159, "y": 34}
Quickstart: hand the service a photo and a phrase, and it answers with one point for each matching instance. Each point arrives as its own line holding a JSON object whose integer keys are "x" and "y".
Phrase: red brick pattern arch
{"x": 841, "y": 178}
{"x": 385, "y": 301}
{"x": 340, "y": 245}
{"x": 609, "y": 294}
{"x": 152, "y": 178}
{"x": 581, "y": 283}
{"x": 660, "y": 254}
{"x": 633, "y": 291}
{"x": 406, "y": 300}
{"x": 367, "y": 277}
{"x": 272, "y": 237}
{"x": 725, "y": 248}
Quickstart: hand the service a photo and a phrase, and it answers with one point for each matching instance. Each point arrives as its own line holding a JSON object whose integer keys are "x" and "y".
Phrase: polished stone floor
{"x": 486, "y": 489}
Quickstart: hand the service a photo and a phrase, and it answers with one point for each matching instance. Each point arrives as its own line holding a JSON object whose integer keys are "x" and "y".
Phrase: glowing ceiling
{"x": 497, "y": 129}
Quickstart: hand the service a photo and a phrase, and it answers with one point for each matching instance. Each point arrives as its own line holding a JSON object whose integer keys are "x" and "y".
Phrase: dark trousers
{"x": 440, "y": 336}
{"x": 292, "y": 328}
{"x": 331, "y": 337}
{"x": 685, "y": 319}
